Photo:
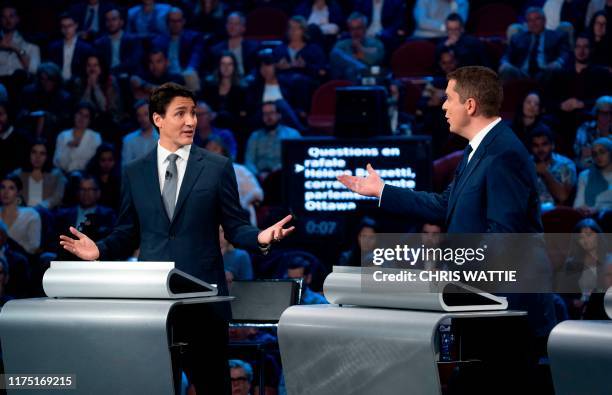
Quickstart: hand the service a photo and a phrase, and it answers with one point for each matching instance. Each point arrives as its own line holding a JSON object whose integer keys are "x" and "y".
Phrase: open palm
{"x": 83, "y": 246}
{"x": 366, "y": 186}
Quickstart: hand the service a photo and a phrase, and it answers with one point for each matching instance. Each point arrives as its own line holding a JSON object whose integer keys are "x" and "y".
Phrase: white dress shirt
{"x": 376, "y": 23}
{"x": 68, "y": 55}
{"x": 75, "y": 158}
{"x": 181, "y": 165}
{"x": 477, "y": 139}
{"x": 26, "y": 230}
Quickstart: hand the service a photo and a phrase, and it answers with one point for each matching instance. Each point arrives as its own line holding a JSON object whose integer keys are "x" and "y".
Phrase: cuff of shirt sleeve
{"x": 380, "y": 195}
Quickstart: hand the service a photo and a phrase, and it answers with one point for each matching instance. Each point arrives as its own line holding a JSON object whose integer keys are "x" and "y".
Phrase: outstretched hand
{"x": 275, "y": 232}
{"x": 83, "y": 246}
{"x": 367, "y": 186}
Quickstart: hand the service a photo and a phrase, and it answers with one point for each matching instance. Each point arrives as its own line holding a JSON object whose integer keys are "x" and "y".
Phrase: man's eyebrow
{"x": 183, "y": 108}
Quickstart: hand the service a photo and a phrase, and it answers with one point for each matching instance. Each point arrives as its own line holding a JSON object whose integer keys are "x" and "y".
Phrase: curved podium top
{"x": 116, "y": 280}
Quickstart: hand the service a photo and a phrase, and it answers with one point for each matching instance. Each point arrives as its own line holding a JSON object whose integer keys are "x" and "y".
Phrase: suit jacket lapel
{"x": 151, "y": 180}
{"x": 195, "y": 164}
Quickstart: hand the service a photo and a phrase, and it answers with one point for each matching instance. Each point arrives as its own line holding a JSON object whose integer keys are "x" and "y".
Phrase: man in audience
{"x": 148, "y": 19}
{"x": 590, "y": 131}
{"x": 535, "y": 53}
{"x": 87, "y": 216}
{"x": 141, "y": 141}
{"x": 15, "y": 52}
{"x": 468, "y": 49}
{"x": 556, "y": 173}
{"x": 121, "y": 51}
{"x": 244, "y": 50}
{"x": 429, "y": 16}
{"x": 263, "y": 150}
{"x": 299, "y": 268}
{"x": 156, "y": 74}
{"x": 89, "y": 15}
{"x": 205, "y": 129}
{"x": 241, "y": 374}
{"x": 386, "y": 20}
{"x": 352, "y": 56}
{"x": 70, "y": 52}
{"x": 184, "y": 48}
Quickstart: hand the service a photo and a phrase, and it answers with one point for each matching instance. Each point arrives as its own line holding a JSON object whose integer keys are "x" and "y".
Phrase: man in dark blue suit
{"x": 89, "y": 15}
{"x": 173, "y": 201}
{"x": 70, "y": 50}
{"x": 494, "y": 190}
{"x": 244, "y": 50}
{"x": 121, "y": 51}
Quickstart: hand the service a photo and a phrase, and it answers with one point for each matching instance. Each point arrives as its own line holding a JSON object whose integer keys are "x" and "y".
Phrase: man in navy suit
{"x": 244, "y": 50}
{"x": 173, "y": 201}
{"x": 69, "y": 53}
{"x": 89, "y": 15}
{"x": 121, "y": 51}
{"x": 494, "y": 190}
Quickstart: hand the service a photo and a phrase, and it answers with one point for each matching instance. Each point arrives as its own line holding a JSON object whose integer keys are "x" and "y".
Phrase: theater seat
{"x": 560, "y": 220}
{"x": 514, "y": 92}
{"x": 323, "y": 108}
{"x": 414, "y": 58}
{"x": 492, "y": 20}
{"x": 266, "y": 23}
{"x": 444, "y": 170}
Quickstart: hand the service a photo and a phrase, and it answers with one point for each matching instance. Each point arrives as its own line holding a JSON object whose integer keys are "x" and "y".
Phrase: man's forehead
{"x": 180, "y": 101}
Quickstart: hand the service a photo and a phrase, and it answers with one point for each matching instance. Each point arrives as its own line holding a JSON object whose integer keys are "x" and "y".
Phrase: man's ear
{"x": 157, "y": 120}
{"x": 470, "y": 106}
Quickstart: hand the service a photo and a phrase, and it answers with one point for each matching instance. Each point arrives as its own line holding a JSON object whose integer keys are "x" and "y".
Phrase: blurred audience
{"x": 23, "y": 223}
{"x": 142, "y": 140}
{"x": 590, "y": 131}
{"x": 430, "y": 15}
{"x": 594, "y": 192}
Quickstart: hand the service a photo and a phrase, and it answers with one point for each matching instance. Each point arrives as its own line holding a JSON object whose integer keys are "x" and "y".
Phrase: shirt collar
{"x": 182, "y": 152}
{"x": 6, "y": 134}
{"x": 476, "y": 140}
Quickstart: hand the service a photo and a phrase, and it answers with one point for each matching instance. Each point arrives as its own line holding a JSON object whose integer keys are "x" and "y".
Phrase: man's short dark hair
{"x": 163, "y": 95}
{"x": 89, "y": 177}
{"x": 357, "y": 16}
{"x": 120, "y": 12}
{"x": 481, "y": 84}
{"x": 454, "y": 17}
{"x": 155, "y": 50}
{"x": 270, "y": 103}
{"x": 139, "y": 103}
{"x": 541, "y": 130}
{"x": 584, "y": 36}
{"x": 67, "y": 15}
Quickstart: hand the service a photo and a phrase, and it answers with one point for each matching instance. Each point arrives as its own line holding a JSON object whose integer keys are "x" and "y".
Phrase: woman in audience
{"x": 591, "y": 130}
{"x": 105, "y": 167}
{"x": 363, "y": 246}
{"x": 528, "y": 117}
{"x": 100, "y": 89}
{"x": 326, "y": 15}
{"x": 299, "y": 63}
{"x": 584, "y": 266}
{"x": 595, "y": 183}
{"x": 43, "y": 185}
{"x": 249, "y": 190}
{"x": 601, "y": 45}
{"x": 24, "y": 224}
{"x": 76, "y": 146}
{"x": 224, "y": 92}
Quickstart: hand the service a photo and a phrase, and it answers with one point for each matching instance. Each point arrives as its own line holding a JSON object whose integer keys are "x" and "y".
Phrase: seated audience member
{"x": 594, "y": 6}
{"x": 429, "y": 16}
{"x": 237, "y": 262}
{"x": 209, "y": 18}
{"x": 567, "y": 15}
{"x": 400, "y": 122}
{"x": 24, "y": 224}
{"x": 17, "y": 53}
{"x": 89, "y": 15}
{"x": 100, "y": 89}
{"x": 468, "y": 50}
{"x": 13, "y": 143}
{"x": 244, "y": 51}
{"x": 431, "y": 237}
{"x": 76, "y": 146}
{"x": 263, "y": 150}
{"x": 386, "y": 20}
{"x": 46, "y": 103}
{"x": 361, "y": 251}
{"x": 326, "y": 15}
{"x": 121, "y": 51}
{"x": 601, "y": 43}
{"x": 249, "y": 190}
{"x": 224, "y": 91}
{"x": 595, "y": 308}
{"x": 104, "y": 168}
{"x": 69, "y": 52}
{"x": 590, "y": 131}
{"x": 300, "y": 63}
{"x": 156, "y": 74}
{"x": 144, "y": 139}
{"x": 556, "y": 173}
{"x": 584, "y": 266}
{"x": 241, "y": 375}
{"x": 42, "y": 184}
{"x": 205, "y": 130}
{"x": 352, "y": 56}
{"x": 148, "y": 19}
{"x": 528, "y": 117}
{"x": 87, "y": 216}
{"x": 16, "y": 274}
{"x": 535, "y": 53}
{"x": 299, "y": 268}
{"x": 184, "y": 48}
{"x": 266, "y": 86}
{"x": 594, "y": 192}
{"x": 4, "y": 276}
